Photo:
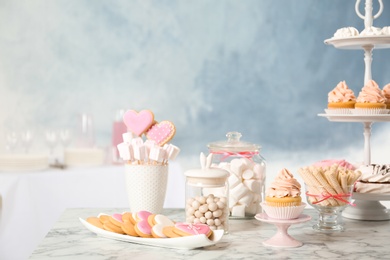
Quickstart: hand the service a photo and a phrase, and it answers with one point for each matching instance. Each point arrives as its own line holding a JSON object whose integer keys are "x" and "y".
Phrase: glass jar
{"x": 247, "y": 170}
{"x": 118, "y": 129}
{"x": 207, "y": 196}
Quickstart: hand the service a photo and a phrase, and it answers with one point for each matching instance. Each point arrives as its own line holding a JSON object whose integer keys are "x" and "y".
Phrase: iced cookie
{"x": 103, "y": 218}
{"x": 127, "y": 216}
{"x": 95, "y": 221}
{"x": 159, "y": 222}
{"x": 168, "y": 232}
{"x": 129, "y": 229}
{"x": 186, "y": 229}
{"x": 138, "y": 123}
{"x": 161, "y": 132}
{"x": 142, "y": 226}
{"x": 109, "y": 226}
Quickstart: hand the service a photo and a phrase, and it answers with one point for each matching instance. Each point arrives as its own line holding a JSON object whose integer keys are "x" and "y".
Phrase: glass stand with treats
{"x": 367, "y": 206}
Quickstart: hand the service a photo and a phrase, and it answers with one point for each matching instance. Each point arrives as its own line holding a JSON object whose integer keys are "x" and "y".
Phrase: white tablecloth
{"x": 31, "y": 202}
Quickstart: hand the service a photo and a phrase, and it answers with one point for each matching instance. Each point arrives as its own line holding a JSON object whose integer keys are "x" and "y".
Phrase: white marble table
{"x": 69, "y": 239}
{"x": 31, "y": 202}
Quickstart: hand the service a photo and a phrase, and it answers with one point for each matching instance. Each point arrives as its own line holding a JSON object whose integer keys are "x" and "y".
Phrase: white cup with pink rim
{"x": 146, "y": 186}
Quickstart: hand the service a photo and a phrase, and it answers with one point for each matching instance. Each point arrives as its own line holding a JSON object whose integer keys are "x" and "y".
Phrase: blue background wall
{"x": 259, "y": 67}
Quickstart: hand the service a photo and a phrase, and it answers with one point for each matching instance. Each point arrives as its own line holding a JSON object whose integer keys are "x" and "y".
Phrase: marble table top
{"x": 69, "y": 239}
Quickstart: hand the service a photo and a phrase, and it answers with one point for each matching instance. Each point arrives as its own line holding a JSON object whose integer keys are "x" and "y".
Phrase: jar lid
{"x": 212, "y": 177}
{"x": 233, "y": 144}
{"x": 207, "y": 175}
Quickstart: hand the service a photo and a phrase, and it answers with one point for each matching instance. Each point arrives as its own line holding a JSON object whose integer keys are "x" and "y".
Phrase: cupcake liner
{"x": 338, "y": 111}
{"x": 369, "y": 111}
{"x": 290, "y": 212}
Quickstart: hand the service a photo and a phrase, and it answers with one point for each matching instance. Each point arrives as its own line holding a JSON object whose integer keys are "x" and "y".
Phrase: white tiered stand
{"x": 368, "y": 206}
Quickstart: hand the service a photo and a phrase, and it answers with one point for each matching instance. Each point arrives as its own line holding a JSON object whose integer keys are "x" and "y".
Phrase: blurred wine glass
{"x": 11, "y": 141}
{"x": 51, "y": 140}
{"x": 26, "y": 139}
{"x": 65, "y": 137}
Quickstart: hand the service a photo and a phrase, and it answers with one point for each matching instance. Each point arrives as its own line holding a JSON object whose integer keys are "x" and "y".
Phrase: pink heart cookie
{"x": 142, "y": 227}
{"x": 193, "y": 229}
{"x": 161, "y": 132}
{"x": 138, "y": 123}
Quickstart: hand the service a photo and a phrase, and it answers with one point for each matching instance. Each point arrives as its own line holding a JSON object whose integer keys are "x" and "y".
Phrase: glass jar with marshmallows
{"x": 247, "y": 173}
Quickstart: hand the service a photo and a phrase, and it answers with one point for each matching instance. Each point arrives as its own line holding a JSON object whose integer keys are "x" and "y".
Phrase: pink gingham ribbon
{"x": 246, "y": 154}
{"x": 327, "y": 195}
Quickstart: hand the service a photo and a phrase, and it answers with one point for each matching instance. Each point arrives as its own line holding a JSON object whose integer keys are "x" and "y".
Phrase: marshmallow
{"x": 125, "y": 151}
{"x": 157, "y": 154}
{"x": 148, "y": 145}
{"x": 172, "y": 151}
{"x": 246, "y": 200}
{"x": 248, "y": 174}
{"x": 127, "y": 137}
{"x": 238, "y": 211}
{"x": 253, "y": 185}
{"x": 139, "y": 152}
{"x": 259, "y": 171}
{"x": 233, "y": 181}
{"x": 232, "y": 202}
{"x": 248, "y": 164}
{"x": 239, "y": 191}
{"x": 236, "y": 166}
{"x": 137, "y": 141}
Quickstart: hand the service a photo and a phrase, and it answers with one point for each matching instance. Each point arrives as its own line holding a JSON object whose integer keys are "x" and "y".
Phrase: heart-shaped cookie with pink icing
{"x": 161, "y": 132}
{"x": 138, "y": 123}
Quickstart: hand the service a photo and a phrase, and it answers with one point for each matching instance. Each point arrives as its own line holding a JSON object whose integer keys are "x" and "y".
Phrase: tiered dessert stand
{"x": 367, "y": 206}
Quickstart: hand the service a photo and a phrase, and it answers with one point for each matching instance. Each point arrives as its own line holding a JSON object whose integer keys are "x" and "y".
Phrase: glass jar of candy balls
{"x": 207, "y": 195}
{"x": 247, "y": 172}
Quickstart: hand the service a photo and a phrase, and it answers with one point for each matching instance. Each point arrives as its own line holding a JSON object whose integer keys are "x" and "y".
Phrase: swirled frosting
{"x": 386, "y": 30}
{"x": 371, "y": 93}
{"x": 341, "y": 93}
{"x": 346, "y": 32}
{"x": 371, "y": 31}
{"x": 386, "y": 92}
{"x": 284, "y": 185}
{"x": 378, "y": 173}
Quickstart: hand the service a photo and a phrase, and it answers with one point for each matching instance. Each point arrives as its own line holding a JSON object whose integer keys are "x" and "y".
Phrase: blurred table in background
{"x": 31, "y": 202}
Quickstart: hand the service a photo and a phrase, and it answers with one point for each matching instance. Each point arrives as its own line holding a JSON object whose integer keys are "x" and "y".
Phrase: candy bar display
{"x": 247, "y": 170}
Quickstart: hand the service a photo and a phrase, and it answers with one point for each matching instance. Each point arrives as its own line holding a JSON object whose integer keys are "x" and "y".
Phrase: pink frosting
{"x": 143, "y": 214}
{"x": 117, "y": 217}
{"x": 371, "y": 93}
{"x": 386, "y": 92}
{"x": 340, "y": 163}
{"x": 193, "y": 229}
{"x": 143, "y": 224}
{"x": 284, "y": 185}
{"x": 341, "y": 93}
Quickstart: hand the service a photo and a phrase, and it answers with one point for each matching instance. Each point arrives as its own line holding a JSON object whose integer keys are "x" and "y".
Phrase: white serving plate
{"x": 356, "y": 117}
{"x": 188, "y": 242}
{"x": 357, "y": 42}
{"x": 370, "y": 196}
